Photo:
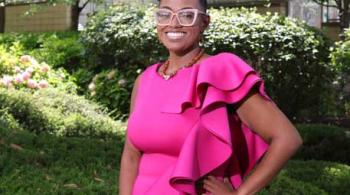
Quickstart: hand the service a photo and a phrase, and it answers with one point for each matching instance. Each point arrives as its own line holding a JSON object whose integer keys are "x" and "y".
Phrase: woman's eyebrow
{"x": 167, "y": 7}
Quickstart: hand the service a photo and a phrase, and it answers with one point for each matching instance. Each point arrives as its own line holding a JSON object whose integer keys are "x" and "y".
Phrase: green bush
{"x": 47, "y": 164}
{"x": 329, "y": 176}
{"x": 324, "y": 142}
{"x": 341, "y": 63}
{"x": 58, "y": 49}
{"x": 56, "y": 112}
{"x": 292, "y": 57}
{"x": 109, "y": 88}
{"x": 311, "y": 177}
{"x": 7, "y": 121}
{"x": 284, "y": 185}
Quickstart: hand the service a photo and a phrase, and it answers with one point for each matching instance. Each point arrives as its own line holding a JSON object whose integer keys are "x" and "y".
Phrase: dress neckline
{"x": 157, "y": 66}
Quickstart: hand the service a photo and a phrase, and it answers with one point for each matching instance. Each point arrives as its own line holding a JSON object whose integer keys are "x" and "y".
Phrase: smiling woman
{"x": 200, "y": 123}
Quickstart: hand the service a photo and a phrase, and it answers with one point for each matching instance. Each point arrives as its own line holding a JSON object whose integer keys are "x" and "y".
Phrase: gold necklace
{"x": 193, "y": 61}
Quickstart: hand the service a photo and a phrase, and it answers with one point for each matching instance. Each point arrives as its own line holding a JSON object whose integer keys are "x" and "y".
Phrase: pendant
{"x": 166, "y": 77}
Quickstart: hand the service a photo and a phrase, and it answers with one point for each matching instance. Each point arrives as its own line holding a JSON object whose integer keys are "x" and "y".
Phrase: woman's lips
{"x": 175, "y": 35}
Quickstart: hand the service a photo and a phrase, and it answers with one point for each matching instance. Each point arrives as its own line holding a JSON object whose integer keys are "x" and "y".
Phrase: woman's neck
{"x": 178, "y": 60}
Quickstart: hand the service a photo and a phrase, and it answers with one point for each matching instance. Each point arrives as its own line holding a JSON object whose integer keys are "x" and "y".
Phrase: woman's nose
{"x": 175, "y": 22}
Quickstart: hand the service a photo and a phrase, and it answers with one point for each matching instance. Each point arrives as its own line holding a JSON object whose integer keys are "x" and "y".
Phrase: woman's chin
{"x": 179, "y": 49}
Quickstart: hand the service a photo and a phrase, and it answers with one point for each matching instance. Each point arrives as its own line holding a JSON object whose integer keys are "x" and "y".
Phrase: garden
{"x": 65, "y": 96}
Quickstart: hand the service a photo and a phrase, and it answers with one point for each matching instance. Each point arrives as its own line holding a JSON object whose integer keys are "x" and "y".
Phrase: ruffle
{"x": 219, "y": 143}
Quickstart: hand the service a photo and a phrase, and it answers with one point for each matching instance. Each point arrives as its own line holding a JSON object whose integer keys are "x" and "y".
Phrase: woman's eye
{"x": 163, "y": 15}
{"x": 188, "y": 15}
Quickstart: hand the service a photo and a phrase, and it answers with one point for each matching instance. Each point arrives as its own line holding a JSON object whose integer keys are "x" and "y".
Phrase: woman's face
{"x": 177, "y": 38}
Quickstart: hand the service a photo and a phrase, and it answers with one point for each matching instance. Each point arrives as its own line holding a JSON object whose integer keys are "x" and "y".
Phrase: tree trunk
{"x": 344, "y": 15}
{"x": 75, "y": 15}
{"x": 2, "y": 19}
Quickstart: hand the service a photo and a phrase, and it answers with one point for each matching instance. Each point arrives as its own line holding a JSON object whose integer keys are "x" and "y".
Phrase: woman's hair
{"x": 203, "y": 3}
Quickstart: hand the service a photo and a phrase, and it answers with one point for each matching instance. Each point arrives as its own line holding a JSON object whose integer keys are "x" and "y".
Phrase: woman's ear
{"x": 206, "y": 22}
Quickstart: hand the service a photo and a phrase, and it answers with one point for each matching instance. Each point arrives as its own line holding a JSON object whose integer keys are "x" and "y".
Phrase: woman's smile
{"x": 175, "y": 35}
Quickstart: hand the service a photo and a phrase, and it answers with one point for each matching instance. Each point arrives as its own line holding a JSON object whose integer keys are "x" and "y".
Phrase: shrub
{"x": 311, "y": 177}
{"x": 47, "y": 164}
{"x": 7, "y": 121}
{"x": 29, "y": 74}
{"x": 341, "y": 63}
{"x": 110, "y": 88}
{"x": 329, "y": 176}
{"x": 324, "y": 142}
{"x": 56, "y": 112}
{"x": 23, "y": 71}
{"x": 288, "y": 186}
{"x": 292, "y": 57}
{"x": 59, "y": 49}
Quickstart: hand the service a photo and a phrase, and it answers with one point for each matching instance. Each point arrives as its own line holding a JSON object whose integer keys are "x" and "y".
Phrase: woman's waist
{"x": 155, "y": 164}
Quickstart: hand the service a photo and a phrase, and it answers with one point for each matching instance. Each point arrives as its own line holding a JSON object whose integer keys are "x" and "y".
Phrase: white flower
{"x": 111, "y": 74}
{"x": 44, "y": 68}
{"x": 43, "y": 84}
{"x": 121, "y": 82}
{"x": 17, "y": 69}
{"x": 7, "y": 80}
{"x": 30, "y": 69}
{"x": 32, "y": 84}
{"x": 26, "y": 75}
{"x": 19, "y": 78}
{"x": 25, "y": 58}
{"x": 92, "y": 86}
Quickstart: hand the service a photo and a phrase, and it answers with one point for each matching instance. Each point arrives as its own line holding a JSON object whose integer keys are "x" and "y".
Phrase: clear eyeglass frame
{"x": 196, "y": 12}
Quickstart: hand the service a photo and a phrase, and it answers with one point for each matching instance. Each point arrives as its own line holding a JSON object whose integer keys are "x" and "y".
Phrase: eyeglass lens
{"x": 185, "y": 17}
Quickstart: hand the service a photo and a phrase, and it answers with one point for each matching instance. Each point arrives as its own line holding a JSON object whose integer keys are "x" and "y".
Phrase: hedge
{"x": 47, "y": 164}
{"x": 324, "y": 142}
{"x": 56, "y": 112}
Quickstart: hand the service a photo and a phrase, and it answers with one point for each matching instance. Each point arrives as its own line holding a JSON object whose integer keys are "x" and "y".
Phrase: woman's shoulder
{"x": 224, "y": 63}
{"x": 226, "y": 59}
{"x": 148, "y": 70}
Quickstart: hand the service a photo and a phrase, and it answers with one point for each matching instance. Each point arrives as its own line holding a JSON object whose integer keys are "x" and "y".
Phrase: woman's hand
{"x": 217, "y": 187}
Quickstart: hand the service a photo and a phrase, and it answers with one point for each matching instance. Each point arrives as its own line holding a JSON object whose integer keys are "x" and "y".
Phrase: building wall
{"x": 52, "y": 18}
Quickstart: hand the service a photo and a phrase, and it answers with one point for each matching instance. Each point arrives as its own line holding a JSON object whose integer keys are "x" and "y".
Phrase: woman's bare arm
{"x": 130, "y": 157}
{"x": 266, "y": 119}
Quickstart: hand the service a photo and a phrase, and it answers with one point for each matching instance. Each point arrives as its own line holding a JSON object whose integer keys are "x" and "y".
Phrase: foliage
{"x": 27, "y": 73}
{"x": 47, "y": 164}
{"x": 58, "y": 49}
{"x": 324, "y": 142}
{"x": 311, "y": 177}
{"x": 341, "y": 55}
{"x": 56, "y": 112}
{"x": 341, "y": 64}
{"x": 8, "y": 121}
{"x": 288, "y": 186}
{"x": 292, "y": 57}
{"x": 110, "y": 88}
{"x": 331, "y": 177}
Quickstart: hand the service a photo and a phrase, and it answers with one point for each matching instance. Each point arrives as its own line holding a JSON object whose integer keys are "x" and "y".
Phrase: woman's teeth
{"x": 175, "y": 35}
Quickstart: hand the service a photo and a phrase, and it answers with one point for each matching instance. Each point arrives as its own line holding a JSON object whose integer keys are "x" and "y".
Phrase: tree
{"x": 344, "y": 12}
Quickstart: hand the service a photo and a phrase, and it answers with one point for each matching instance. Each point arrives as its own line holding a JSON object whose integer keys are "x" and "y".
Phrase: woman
{"x": 199, "y": 123}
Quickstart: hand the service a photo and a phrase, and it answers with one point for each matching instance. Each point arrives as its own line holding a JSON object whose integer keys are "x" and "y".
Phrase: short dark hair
{"x": 203, "y": 3}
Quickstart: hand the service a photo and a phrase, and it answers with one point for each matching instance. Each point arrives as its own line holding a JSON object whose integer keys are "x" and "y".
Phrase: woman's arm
{"x": 130, "y": 157}
{"x": 266, "y": 119}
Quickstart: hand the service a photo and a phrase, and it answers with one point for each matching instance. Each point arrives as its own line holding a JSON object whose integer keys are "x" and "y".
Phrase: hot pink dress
{"x": 185, "y": 130}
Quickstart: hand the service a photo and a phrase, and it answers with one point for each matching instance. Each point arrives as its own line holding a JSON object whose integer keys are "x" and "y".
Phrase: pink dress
{"x": 185, "y": 131}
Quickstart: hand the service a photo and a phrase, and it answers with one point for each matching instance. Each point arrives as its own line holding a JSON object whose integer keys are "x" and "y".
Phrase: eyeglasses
{"x": 185, "y": 17}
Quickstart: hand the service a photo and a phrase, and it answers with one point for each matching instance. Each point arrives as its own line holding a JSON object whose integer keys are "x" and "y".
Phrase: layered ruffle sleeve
{"x": 219, "y": 144}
